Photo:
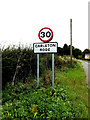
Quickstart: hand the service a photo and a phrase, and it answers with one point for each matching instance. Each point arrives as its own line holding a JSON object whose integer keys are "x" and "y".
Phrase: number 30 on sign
{"x": 45, "y": 34}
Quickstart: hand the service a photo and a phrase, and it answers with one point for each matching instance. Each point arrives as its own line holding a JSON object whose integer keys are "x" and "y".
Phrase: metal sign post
{"x": 45, "y": 35}
{"x": 53, "y": 70}
{"x": 37, "y": 70}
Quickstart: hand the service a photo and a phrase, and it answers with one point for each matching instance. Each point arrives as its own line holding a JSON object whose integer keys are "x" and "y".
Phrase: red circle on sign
{"x": 50, "y": 38}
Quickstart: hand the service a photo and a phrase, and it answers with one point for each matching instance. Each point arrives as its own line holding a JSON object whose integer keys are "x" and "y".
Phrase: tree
{"x": 77, "y": 52}
{"x": 60, "y": 51}
{"x": 85, "y": 52}
{"x": 66, "y": 49}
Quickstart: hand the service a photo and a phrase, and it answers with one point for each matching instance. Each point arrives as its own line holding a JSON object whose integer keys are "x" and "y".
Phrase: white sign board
{"x": 45, "y": 47}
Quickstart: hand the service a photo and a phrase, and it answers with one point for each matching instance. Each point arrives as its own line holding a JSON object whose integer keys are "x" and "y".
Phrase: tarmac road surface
{"x": 86, "y": 67}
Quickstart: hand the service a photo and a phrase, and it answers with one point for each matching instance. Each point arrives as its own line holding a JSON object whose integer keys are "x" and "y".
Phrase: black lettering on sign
{"x": 40, "y": 49}
{"x": 48, "y": 34}
{"x": 44, "y": 49}
{"x": 36, "y": 46}
{"x": 48, "y": 49}
{"x": 43, "y": 34}
{"x": 52, "y": 45}
{"x": 45, "y": 45}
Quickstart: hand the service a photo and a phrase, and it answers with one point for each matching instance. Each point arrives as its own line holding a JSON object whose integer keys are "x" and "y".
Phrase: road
{"x": 86, "y": 67}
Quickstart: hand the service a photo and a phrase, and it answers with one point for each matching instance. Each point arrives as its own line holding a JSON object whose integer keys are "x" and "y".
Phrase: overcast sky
{"x": 21, "y": 20}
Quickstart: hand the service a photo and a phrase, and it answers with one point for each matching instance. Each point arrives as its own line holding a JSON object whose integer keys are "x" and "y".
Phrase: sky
{"x": 21, "y": 20}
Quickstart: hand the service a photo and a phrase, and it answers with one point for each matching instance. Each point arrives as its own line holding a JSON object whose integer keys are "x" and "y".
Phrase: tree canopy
{"x": 76, "y": 52}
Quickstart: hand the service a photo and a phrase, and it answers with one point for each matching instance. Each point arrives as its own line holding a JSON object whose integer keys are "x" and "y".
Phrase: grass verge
{"x": 87, "y": 61}
{"x": 74, "y": 80}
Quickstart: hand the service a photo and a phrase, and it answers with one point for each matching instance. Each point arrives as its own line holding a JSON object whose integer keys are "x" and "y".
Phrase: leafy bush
{"x": 21, "y": 61}
{"x": 23, "y": 102}
{"x": 20, "y": 64}
{"x": 37, "y": 104}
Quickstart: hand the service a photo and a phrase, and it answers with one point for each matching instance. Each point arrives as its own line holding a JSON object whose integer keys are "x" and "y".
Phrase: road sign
{"x": 45, "y": 34}
{"x": 45, "y": 47}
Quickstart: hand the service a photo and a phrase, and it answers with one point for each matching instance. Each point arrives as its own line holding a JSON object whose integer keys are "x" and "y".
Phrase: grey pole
{"x": 37, "y": 70}
{"x": 53, "y": 70}
{"x": 71, "y": 42}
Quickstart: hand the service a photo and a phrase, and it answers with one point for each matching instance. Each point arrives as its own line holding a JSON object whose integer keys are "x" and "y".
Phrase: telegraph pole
{"x": 71, "y": 42}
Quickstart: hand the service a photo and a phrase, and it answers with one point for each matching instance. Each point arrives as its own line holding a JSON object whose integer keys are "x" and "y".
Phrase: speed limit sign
{"x": 45, "y": 34}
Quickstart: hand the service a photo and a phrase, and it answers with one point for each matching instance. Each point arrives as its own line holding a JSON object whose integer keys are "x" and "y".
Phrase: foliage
{"x": 21, "y": 64}
{"x": 66, "y": 51}
{"x": 60, "y": 51}
{"x": 67, "y": 100}
{"x": 74, "y": 80}
{"x": 26, "y": 65}
{"x": 85, "y": 52}
{"x": 77, "y": 52}
{"x": 45, "y": 103}
{"x": 26, "y": 101}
